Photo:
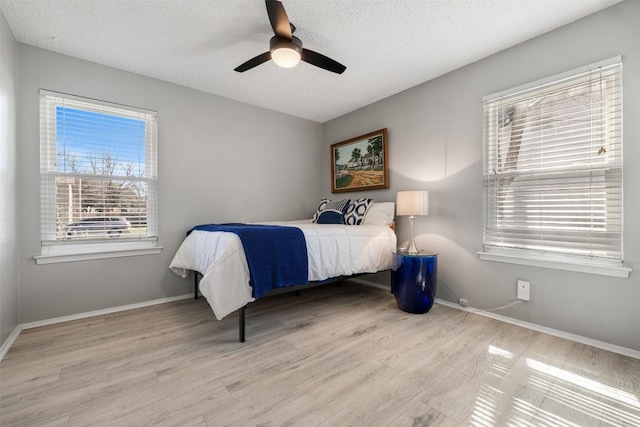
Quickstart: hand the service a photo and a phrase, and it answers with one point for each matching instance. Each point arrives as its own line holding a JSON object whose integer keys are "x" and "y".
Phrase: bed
{"x": 334, "y": 251}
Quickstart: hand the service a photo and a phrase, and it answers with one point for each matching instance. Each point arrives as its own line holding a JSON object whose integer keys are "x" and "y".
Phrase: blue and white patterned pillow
{"x": 323, "y": 203}
{"x": 330, "y": 216}
{"x": 356, "y": 211}
{"x": 333, "y": 211}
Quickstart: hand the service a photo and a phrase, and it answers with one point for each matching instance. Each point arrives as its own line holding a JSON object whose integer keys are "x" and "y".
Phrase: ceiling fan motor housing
{"x": 278, "y": 43}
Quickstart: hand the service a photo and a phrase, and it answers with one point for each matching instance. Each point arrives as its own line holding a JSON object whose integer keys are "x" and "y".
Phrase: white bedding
{"x": 333, "y": 250}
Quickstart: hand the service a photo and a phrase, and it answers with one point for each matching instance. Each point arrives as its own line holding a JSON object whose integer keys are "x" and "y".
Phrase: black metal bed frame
{"x": 242, "y": 323}
{"x": 296, "y": 289}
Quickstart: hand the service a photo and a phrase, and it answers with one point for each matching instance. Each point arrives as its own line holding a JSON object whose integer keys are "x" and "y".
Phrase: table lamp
{"x": 412, "y": 203}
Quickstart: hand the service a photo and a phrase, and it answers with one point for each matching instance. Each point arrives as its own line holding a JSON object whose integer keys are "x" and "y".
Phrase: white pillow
{"x": 380, "y": 214}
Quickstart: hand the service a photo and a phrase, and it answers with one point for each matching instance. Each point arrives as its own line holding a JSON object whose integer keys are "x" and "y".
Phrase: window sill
{"x": 557, "y": 262}
{"x": 82, "y": 252}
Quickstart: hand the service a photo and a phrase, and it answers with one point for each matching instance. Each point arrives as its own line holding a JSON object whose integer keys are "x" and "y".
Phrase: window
{"x": 98, "y": 177}
{"x": 553, "y": 171}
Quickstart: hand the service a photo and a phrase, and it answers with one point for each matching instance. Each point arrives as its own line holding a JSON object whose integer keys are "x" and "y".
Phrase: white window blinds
{"x": 98, "y": 171}
{"x": 553, "y": 166}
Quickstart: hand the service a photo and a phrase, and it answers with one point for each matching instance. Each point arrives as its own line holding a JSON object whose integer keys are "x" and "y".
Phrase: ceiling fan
{"x": 286, "y": 49}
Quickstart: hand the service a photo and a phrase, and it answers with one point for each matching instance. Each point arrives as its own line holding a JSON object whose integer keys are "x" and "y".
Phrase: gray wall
{"x": 219, "y": 160}
{"x": 8, "y": 184}
{"x": 435, "y": 143}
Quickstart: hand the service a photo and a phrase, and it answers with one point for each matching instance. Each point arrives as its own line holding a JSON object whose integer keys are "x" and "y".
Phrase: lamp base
{"x": 412, "y": 246}
{"x": 408, "y": 252}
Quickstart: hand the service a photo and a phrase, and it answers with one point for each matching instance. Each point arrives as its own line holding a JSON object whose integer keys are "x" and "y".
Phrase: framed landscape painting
{"x": 360, "y": 163}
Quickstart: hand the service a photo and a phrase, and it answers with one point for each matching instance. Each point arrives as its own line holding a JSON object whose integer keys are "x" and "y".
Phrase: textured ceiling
{"x": 388, "y": 46}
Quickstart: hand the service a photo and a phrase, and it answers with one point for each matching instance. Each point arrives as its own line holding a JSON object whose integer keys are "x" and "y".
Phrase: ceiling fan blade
{"x": 253, "y": 62}
{"x": 324, "y": 62}
{"x": 279, "y": 19}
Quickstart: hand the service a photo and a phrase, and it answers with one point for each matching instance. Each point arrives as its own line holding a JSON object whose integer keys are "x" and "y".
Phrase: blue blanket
{"x": 276, "y": 255}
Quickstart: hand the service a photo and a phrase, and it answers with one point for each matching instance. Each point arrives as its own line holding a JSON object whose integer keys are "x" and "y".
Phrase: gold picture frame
{"x": 360, "y": 163}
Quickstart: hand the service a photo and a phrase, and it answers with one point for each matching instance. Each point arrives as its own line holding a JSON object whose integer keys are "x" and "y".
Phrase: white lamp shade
{"x": 412, "y": 203}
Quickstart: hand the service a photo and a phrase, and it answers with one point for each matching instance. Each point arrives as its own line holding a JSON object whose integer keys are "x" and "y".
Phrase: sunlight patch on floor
{"x": 570, "y": 399}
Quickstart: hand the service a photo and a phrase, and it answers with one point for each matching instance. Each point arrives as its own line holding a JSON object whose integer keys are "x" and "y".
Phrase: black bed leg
{"x": 195, "y": 285}
{"x": 241, "y": 326}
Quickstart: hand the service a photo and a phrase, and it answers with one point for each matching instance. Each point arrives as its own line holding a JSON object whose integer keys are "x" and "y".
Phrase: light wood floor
{"x": 330, "y": 357}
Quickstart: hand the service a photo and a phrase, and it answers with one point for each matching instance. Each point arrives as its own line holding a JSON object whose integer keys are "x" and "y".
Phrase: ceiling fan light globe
{"x": 285, "y": 57}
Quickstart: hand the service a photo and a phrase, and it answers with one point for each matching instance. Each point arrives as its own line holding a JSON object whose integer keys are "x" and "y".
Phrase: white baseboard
{"x": 556, "y": 333}
{"x": 572, "y": 337}
{"x": 110, "y": 310}
{"x": 9, "y": 342}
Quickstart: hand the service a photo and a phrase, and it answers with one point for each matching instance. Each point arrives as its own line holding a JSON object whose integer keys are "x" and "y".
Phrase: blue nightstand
{"x": 414, "y": 280}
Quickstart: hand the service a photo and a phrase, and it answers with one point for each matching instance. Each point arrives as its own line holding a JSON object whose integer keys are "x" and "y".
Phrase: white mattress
{"x": 333, "y": 250}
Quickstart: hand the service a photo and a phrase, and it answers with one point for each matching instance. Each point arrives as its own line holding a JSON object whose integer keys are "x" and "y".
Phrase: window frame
{"x": 53, "y": 248}
{"x": 557, "y": 260}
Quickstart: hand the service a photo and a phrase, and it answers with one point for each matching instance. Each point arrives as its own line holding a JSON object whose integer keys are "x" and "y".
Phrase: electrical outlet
{"x": 524, "y": 290}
